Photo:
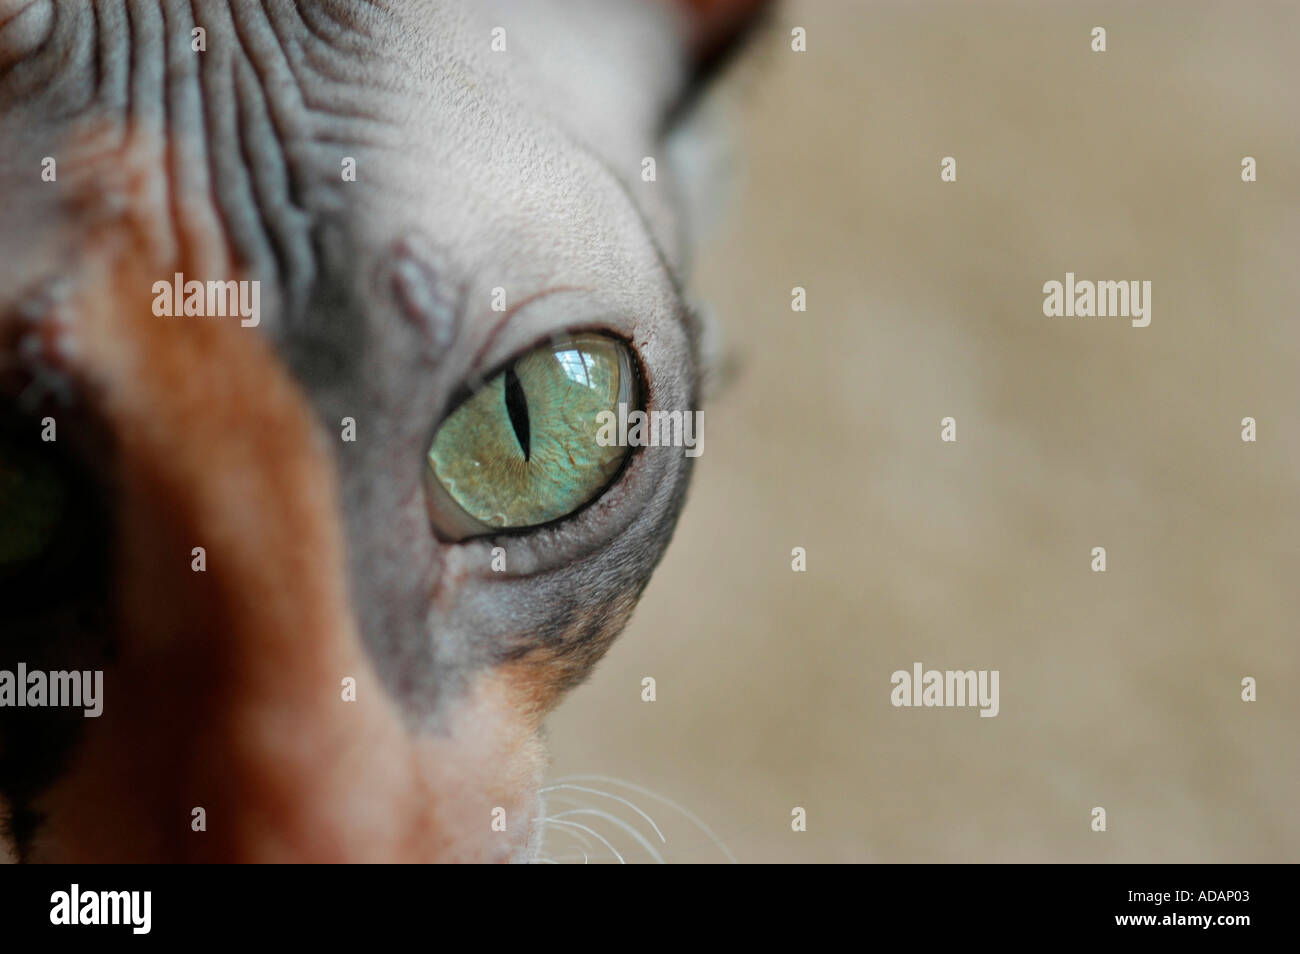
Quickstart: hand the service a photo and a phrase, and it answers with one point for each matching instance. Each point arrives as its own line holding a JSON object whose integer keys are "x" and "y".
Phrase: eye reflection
{"x": 577, "y": 366}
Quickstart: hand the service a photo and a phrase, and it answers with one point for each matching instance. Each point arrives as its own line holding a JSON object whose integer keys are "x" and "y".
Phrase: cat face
{"x": 336, "y": 555}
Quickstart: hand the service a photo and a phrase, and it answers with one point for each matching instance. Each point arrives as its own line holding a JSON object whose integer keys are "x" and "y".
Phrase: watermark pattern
{"x": 78, "y": 907}
{"x": 211, "y": 299}
{"x": 36, "y": 688}
{"x": 1106, "y": 299}
{"x": 651, "y": 429}
{"x": 952, "y": 687}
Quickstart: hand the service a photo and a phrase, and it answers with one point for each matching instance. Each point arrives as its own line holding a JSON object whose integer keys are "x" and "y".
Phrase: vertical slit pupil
{"x": 517, "y": 408}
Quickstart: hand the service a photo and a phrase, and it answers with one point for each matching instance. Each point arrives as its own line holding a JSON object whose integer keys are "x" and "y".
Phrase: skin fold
{"x": 475, "y": 169}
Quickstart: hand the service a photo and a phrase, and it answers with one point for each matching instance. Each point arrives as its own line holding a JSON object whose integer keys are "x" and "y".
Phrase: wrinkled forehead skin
{"x": 383, "y": 171}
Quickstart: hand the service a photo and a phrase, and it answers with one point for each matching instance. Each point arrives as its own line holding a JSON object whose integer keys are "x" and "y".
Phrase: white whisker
{"x": 641, "y": 839}
{"x": 595, "y": 834}
{"x": 596, "y": 791}
{"x": 586, "y": 842}
{"x": 569, "y": 832}
{"x": 571, "y": 857}
{"x": 690, "y": 816}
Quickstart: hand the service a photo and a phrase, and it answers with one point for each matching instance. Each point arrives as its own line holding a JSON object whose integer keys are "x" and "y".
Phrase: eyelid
{"x": 548, "y": 315}
{"x": 509, "y": 314}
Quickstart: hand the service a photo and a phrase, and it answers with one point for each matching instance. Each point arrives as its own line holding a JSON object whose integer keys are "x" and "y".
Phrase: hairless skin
{"x": 474, "y": 169}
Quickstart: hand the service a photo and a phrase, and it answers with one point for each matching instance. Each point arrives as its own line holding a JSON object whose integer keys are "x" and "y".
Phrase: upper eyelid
{"x": 561, "y": 310}
{"x": 476, "y": 362}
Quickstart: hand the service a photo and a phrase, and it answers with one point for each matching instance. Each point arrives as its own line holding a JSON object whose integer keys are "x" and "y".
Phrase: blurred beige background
{"x": 1119, "y": 690}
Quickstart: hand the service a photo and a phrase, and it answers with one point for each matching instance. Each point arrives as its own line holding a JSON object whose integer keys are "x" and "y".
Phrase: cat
{"x": 332, "y": 562}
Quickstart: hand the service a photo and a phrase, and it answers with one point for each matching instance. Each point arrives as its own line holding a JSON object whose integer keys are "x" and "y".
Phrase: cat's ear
{"x": 697, "y": 127}
{"x": 700, "y": 144}
{"x": 713, "y": 28}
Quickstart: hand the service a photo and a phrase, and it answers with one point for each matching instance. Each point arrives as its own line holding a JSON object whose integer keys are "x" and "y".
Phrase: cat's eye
{"x": 54, "y": 532}
{"x": 32, "y": 503}
{"x": 523, "y": 449}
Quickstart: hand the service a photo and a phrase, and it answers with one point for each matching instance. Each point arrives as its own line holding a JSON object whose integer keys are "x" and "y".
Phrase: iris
{"x": 522, "y": 450}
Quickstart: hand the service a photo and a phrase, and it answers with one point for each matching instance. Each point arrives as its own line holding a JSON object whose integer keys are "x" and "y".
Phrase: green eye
{"x": 522, "y": 450}
{"x": 32, "y": 500}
